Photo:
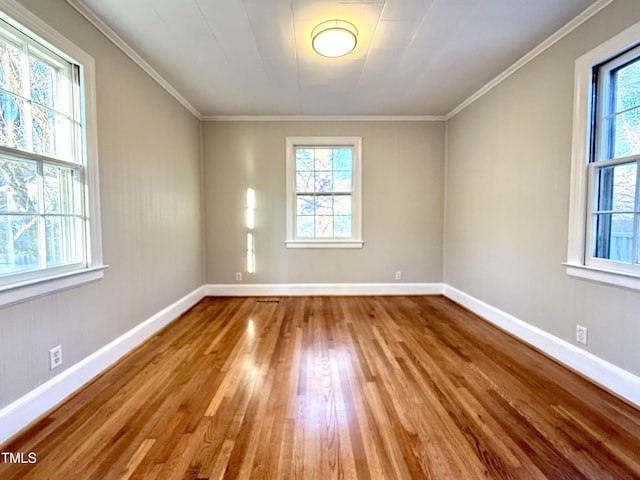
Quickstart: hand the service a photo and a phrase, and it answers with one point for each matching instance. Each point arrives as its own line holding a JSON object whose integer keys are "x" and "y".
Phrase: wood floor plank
{"x": 403, "y": 387}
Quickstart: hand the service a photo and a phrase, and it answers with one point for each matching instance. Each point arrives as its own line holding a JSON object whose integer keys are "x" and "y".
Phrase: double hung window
{"x": 604, "y": 228}
{"x": 323, "y": 199}
{"x": 614, "y": 222}
{"x": 48, "y": 186}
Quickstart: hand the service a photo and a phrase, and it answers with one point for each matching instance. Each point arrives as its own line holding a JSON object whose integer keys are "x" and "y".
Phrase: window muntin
{"x": 44, "y": 227}
{"x": 323, "y": 199}
{"x": 41, "y": 219}
{"x": 614, "y": 222}
{"x": 39, "y": 98}
{"x": 324, "y": 179}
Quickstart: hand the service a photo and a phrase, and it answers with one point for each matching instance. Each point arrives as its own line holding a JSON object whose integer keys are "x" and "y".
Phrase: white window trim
{"x": 93, "y": 270}
{"x": 577, "y": 265}
{"x": 356, "y": 195}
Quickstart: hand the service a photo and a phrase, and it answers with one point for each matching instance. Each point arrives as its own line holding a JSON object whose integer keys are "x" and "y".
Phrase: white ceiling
{"x": 253, "y": 57}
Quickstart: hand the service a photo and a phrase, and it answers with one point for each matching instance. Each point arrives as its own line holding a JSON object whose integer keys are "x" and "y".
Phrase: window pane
{"x": 12, "y": 127}
{"x": 53, "y": 232}
{"x": 324, "y": 205}
{"x": 19, "y": 186}
{"x": 342, "y": 204}
{"x": 627, "y": 133}
{"x": 304, "y": 159}
{"x": 324, "y": 226}
{"x": 617, "y": 188}
{"x": 342, "y": 226}
{"x": 323, "y": 158}
{"x": 42, "y": 79}
{"x": 43, "y": 128}
{"x": 342, "y": 160}
{"x": 305, "y": 226}
{"x": 11, "y": 61}
{"x": 51, "y": 133}
{"x": 64, "y": 240}
{"x": 323, "y": 181}
{"x": 305, "y": 205}
{"x": 18, "y": 243}
{"x": 614, "y": 236}
{"x": 305, "y": 181}
{"x": 628, "y": 86}
{"x": 342, "y": 181}
{"x": 61, "y": 193}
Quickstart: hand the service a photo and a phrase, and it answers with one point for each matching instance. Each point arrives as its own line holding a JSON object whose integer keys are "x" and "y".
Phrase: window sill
{"x": 324, "y": 244}
{"x": 28, "y": 290}
{"x": 609, "y": 277}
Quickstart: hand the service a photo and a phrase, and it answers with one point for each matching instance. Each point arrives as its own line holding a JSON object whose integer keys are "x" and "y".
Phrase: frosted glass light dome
{"x": 334, "y": 38}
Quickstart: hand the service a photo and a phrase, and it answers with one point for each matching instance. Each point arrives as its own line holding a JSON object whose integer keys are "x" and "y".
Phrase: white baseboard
{"x": 609, "y": 376}
{"x": 17, "y": 415}
{"x": 28, "y": 408}
{"x": 296, "y": 289}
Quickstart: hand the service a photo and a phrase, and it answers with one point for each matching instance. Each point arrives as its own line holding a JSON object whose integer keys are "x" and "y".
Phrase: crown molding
{"x": 546, "y": 44}
{"x": 88, "y": 14}
{"x": 323, "y": 118}
{"x": 97, "y": 22}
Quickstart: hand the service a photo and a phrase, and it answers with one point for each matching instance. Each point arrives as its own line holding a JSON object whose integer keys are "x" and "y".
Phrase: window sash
{"x": 61, "y": 115}
{"x": 583, "y": 148}
{"x": 323, "y": 214}
{"x": 61, "y": 235}
{"x": 601, "y": 241}
{"x": 601, "y": 237}
{"x": 63, "y": 217}
{"x": 605, "y": 112}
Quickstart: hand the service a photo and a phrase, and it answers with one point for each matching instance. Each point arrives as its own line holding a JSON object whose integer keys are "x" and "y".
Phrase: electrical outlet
{"x": 581, "y": 334}
{"x": 55, "y": 357}
{"x": 238, "y": 276}
{"x": 398, "y": 275}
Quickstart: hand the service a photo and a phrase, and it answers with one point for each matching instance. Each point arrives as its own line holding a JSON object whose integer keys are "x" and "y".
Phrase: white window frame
{"x": 93, "y": 268}
{"x": 579, "y": 262}
{"x": 355, "y": 241}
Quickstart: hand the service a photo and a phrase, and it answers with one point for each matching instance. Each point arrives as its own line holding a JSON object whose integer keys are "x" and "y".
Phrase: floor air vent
{"x": 268, "y": 300}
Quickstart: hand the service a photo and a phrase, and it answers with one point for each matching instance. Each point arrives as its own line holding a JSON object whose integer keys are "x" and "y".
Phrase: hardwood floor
{"x": 333, "y": 387}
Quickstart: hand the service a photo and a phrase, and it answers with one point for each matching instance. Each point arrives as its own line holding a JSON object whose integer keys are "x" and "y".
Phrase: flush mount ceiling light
{"x": 334, "y": 38}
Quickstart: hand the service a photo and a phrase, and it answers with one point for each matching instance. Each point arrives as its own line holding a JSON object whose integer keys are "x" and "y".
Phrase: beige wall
{"x": 508, "y": 169}
{"x": 505, "y": 220}
{"x": 403, "y": 166}
{"x": 149, "y": 148}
